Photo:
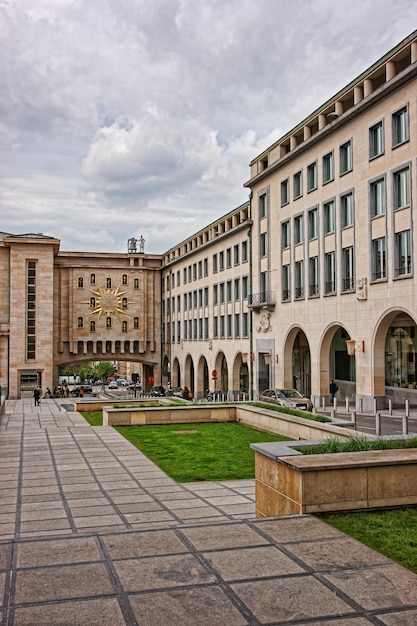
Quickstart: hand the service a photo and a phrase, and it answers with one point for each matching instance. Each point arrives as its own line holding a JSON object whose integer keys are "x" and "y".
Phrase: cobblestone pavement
{"x": 93, "y": 533}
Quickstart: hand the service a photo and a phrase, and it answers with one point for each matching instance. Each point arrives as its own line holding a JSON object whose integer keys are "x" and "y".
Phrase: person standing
{"x": 333, "y": 389}
{"x": 37, "y": 396}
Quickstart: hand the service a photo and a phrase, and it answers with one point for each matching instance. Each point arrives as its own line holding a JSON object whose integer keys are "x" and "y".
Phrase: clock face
{"x": 108, "y": 302}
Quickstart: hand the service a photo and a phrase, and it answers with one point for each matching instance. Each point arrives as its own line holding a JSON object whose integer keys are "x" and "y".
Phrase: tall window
{"x": 262, "y": 205}
{"x": 299, "y": 280}
{"x": 92, "y": 326}
{"x": 313, "y": 276}
{"x": 80, "y": 322}
{"x": 346, "y": 205}
{"x": 400, "y": 132}
{"x": 263, "y": 244}
{"x": 377, "y": 197}
{"x": 237, "y": 289}
{"x": 237, "y": 325}
{"x": 379, "y": 259}
{"x": 221, "y": 260}
{"x": 403, "y": 253}
{"x": 215, "y": 294}
{"x": 229, "y": 291}
{"x": 245, "y": 287}
{"x": 236, "y": 251}
{"x": 81, "y": 282}
{"x": 297, "y": 185}
{"x": 376, "y": 140}
{"x": 124, "y": 279}
{"x": 92, "y": 279}
{"x": 245, "y": 324}
{"x": 221, "y": 293}
{"x": 329, "y": 217}
{"x": 108, "y": 283}
{"x": 312, "y": 176}
{"x": 298, "y": 229}
{"x": 348, "y": 281}
{"x": 286, "y": 283}
{"x": 328, "y": 168}
{"x": 244, "y": 251}
{"x": 346, "y": 157}
{"x": 330, "y": 273}
{"x": 401, "y": 188}
{"x": 285, "y": 235}
{"x": 313, "y": 224}
{"x": 214, "y": 263}
{"x": 229, "y": 257}
{"x": 285, "y": 192}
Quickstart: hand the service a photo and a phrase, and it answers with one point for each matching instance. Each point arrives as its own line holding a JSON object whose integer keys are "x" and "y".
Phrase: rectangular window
{"x": 330, "y": 273}
{"x": 245, "y": 287}
{"x": 189, "y": 273}
{"x": 285, "y": 192}
{"x": 178, "y": 304}
{"x": 346, "y": 209}
{"x": 237, "y": 289}
{"x": 285, "y": 235}
{"x": 229, "y": 291}
{"x": 298, "y": 229}
{"x": 245, "y": 324}
{"x": 328, "y": 168}
{"x": 403, "y": 253}
{"x": 313, "y": 277}
{"x": 194, "y": 271}
{"x": 221, "y": 326}
{"x": 297, "y": 185}
{"x": 263, "y": 244}
{"x": 200, "y": 298}
{"x": 206, "y": 328}
{"x": 313, "y": 224}
{"x": 221, "y": 260}
{"x": 401, "y": 188}
{"x": 200, "y": 328}
{"x": 200, "y": 269}
{"x": 215, "y": 294}
{"x": 185, "y": 276}
{"x": 400, "y": 132}
{"x": 214, "y": 263}
{"x": 185, "y": 302}
{"x": 244, "y": 251}
{"x": 299, "y": 280}
{"x": 206, "y": 296}
{"x": 312, "y": 177}
{"x": 262, "y": 206}
{"x": 236, "y": 251}
{"x": 229, "y": 257}
{"x": 229, "y": 327}
{"x": 346, "y": 158}
{"x": 205, "y": 265}
{"x": 221, "y": 294}
{"x": 286, "y": 283}
{"x": 379, "y": 259}
{"x": 376, "y": 140}
{"x": 377, "y": 197}
{"x": 215, "y": 327}
{"x": 178, "y": 278}
{"x": 348, "y": 282}
{"x": 329, "y": 217}
{"x": 237, "y": 325}
{"x": 195, "y": 298}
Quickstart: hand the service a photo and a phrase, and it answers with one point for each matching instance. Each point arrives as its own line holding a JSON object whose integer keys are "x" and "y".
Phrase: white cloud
{"x": 137, "y": 117}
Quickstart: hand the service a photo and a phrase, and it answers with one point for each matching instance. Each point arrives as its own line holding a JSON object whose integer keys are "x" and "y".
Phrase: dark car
{"x": 158, "y": 392}
{"x": 174, "y": 391}
{"x": 286, "y": 397}
{"x": 75, "y": 391}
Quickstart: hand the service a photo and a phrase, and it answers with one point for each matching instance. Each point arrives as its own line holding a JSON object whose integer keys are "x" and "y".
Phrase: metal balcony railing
{"x": 262, "y": 299}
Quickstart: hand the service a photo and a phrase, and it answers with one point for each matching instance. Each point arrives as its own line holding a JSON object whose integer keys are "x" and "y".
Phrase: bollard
{"x": 405, "y": 424}
{"x": 407, "y": 408}
{"x": 323, "y": 402}
{"x": 378, "y": 424}
{"x": 335, "y": 404}
{"x": 360, "y": 405}
{"x": 390, "y": 406}
{"x": 353, "y": 416}
{"x": 347, "y": 405}
{"x": 332, "y": 413}
{"x": 375, "y": 407}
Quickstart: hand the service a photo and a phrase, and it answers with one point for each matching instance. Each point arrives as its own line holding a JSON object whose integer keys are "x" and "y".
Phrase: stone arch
{"x": 297, "y": 361}
{"x": 189, "y": 377}
{"x": 221, "y": 367}
{"x": 240, "y": 373}
{"x": 203, "y": 377}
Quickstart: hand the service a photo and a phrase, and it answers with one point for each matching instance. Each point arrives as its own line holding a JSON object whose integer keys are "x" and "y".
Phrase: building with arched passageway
{"x": 311, "y": 279}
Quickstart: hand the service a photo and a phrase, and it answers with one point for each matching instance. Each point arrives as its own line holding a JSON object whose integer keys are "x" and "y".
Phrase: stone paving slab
{"x": 93, "y": 534}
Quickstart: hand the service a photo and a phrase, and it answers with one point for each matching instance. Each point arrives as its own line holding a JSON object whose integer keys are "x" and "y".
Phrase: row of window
{"x": 379, "y": 272}
{"x": 224, "y": 326}
{"x": 109, "y": 324}
{"x": 400, "y": 135}
{"x": 108, "y": 347}
{"x": 31, "y": 310}
{"x": 401, "y": 198}
{"x": 229, "y": 291}
{"x": 80, "y": 281}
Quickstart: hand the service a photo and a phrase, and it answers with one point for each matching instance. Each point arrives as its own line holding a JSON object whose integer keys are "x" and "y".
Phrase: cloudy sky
{"x": 122, "y": 118}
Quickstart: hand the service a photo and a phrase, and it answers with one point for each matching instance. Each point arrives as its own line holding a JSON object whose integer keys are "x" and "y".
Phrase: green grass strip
{"x": 390, "y": 532}
{"x": 315, "y": 417}
{"x": 357, "y": 444}
{"x": 199, "y": 452}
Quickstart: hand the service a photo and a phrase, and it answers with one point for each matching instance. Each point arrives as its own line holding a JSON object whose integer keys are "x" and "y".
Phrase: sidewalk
{"x": 93, "y": 533}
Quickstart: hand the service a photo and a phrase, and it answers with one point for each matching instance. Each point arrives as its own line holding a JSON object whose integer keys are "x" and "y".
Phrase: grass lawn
{"x": 198, "y": 452}
{"x": 391, "y": 532}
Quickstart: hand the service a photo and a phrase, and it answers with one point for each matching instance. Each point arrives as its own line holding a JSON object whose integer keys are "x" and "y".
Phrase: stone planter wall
{"x": 290, "y": 483}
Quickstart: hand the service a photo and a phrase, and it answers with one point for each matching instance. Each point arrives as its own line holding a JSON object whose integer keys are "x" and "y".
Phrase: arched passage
{"x": 297, "y": 373}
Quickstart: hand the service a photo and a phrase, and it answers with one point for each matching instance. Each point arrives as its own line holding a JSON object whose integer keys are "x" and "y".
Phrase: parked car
{"x": 286, "y": 397}
{"x": 113, "y": 385}
{"x": 174, "y": 391}
{"x": 75, "y": 391}
{"x": 159, "y": 392}
{"x": 122, "y": 382}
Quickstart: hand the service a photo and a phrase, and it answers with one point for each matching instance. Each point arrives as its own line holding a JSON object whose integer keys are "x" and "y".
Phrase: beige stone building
{"x": 312, "y": 279}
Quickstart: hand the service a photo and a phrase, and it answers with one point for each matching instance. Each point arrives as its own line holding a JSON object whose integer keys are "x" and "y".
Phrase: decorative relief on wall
{"x": 265, "y": 323}
{"x": 362, "y": 289}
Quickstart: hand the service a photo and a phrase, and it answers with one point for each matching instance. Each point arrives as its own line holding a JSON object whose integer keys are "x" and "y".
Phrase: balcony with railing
{"x": 262, "y": 300}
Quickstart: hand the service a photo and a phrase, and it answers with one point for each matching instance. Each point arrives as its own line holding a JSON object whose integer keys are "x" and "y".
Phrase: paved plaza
{"x": 94, "y": 534}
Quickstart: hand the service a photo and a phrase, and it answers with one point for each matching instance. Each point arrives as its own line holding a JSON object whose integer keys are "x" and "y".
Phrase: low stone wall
{"x": 290, "y": 483}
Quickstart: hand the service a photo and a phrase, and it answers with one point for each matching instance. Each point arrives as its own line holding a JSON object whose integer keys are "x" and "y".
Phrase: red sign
{"x": 214, "y": 374}
{"x": 151, "y": 380}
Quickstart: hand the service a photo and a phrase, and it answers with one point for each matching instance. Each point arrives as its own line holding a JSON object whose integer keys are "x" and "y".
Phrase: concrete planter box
{"x": 290, "y": 483}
